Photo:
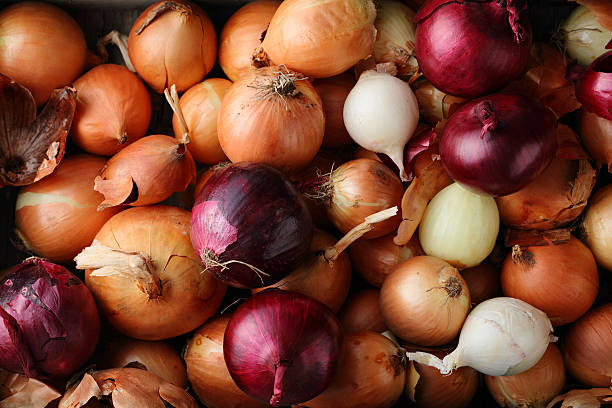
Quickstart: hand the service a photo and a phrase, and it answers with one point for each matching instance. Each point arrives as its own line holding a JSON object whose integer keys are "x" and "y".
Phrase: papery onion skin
{"x": 250, "y": 219}
{"x": 499, "y": 143}
{"x": 534, "y": 387}
{"x": 596, "y": 135}
{"x": 242, "y": 34}
{"x": 61, "y": 205}
{"x": 594, "y": 87}
{"x": 434, "y": 105}
{"x": 113, "y": 110}
{"x": 362, "y": 312}
{"x": 585, "y": 39}
{"x": 17, "y": 390}
{"x": 333, "y": 92}
{"x": 42, "y": 47}
{"x": 282, "y": 347}
{"x": 469, "y": 49}
{"x": 587, "y": 350}
{"x": 483, "y": 282}
{"x": 596, "y": 227}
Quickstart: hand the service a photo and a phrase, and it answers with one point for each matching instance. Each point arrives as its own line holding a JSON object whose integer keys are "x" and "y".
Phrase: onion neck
{"x": 525, "y": 258}
{"x": 487, "y": 118}
{"x": 120, "y": 40}
{"x": 161, "y": 8}
{"x": 515, "y": 8}
{"x": 173, "y": 100}
{"x": 279, "y": 373}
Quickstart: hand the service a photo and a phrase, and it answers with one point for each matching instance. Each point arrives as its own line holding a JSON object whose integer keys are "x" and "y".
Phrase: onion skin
{"x": 587, "y": 350}
{"x": 483, "y": 282}
{"x": 17, "y": 390}
{"x": 596, "y": 226}
{"x": 596, "y": 135}
{"x": 62, "y": 205}
{"x": 333, "y": 92}
{"x": 40, "y": 35}
{"x": 561, "y": 280}
{"x": 585, "y": 38}
{"x": 113, "y": 110}
{"x": 594, "y": 87}
{"x": 528, "y": 387}
{"x": 362, "y": 313}
{"x": 434, "y": 105}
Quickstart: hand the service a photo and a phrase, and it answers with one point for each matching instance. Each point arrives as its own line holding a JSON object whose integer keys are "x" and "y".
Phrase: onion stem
{"x": 163, "y": 7}
{"x": 173, "y": 100}
{"x": 279, "y": 374}
{"x": 120, "y": 40}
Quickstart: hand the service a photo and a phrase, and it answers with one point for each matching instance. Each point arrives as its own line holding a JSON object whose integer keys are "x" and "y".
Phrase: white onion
{"x": 585, "y": 39}
{"x": 381, "y": 114}
{"x": 501, "y": 336}
{"x": 459, "y": 226}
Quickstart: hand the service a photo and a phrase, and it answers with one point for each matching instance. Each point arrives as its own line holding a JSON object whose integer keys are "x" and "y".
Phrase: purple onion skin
{"x": 250, "y": 215}
{"x": 469, "y": 48}
{"x": 282, "y": 327}
{"x": 594, "y": 87}
{"x": 49, "y": 323}
{"x": 511, "y": 152}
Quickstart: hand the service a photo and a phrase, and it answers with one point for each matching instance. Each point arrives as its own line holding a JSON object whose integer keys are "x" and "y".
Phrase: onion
{"x": 459, "y": 226}
{"x": 200, "y": 106}
{"x": 434, "y": 105}
{"x": 113, "y": 110}
{"x": 172, "y": 42}
{"x": 145, "y": 275}
{"x": 596, "y": 227}
{"x": 472, "y": 48}
{"x": 371, "y": 373}
{"x": 561, "y": 280}
{"x": 249, "y": 226}
{"x": 282, "y": 347}
{"x": 333, "y": 92}
{"x": 587, "y": 349}
{"x": 594, "y": 87}
{"x": 534, "y": 387}
{"x": 361, "y": 312}
{"x": 319, "y": 39}
{"x": 207, "y": 371}
{"x": 584, "y": 37}
{"x": 62, "y": 205}
{"x": 501, "y": 336}
{"x": 42, "y": 48}
{"x": 482, "y": 281}
{"x": 424, "y": 301}
{"x": 49, "y": 323}
{"x": 271, "y": 115}
{"x": 595, "y": 397}
{"x": 242, "y": 34}
{"x": 381, "y": 114}
{"x": 596, "y": 135}
{"x": 374, "y": 259}
{"x": 17, "y": 390}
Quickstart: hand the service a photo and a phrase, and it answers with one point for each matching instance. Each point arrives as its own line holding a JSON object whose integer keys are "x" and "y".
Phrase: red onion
{"x": 499, "y": 143}
{"x": 282, "y": 347}
{"x": 49, "y": 323}
{"x": 250, "y": 226}
{"x": 594, "y": 87}
{"x": 472, "y": 47}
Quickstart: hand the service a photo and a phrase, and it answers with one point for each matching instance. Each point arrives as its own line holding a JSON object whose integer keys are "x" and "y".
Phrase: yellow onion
{"x": 596, "y": 135}
{"x": 333, "y": 92}
{"x": 362, "y": 312}
{"x": 483, "y": 282}
{"x": 434, "y": 105}
{"x": 597, "y": 227}
{"x": 585, "y": 38}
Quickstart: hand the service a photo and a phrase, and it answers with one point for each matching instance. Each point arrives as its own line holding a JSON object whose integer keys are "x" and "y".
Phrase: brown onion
{"x": 561, "y": 280}
{"x": 362, "y": 312}
{"x": 592, "y": 398}
{"x": 242, "y": 34}
{"x": 434, "y": 105}
{"x": 56, "y": 217}
{"x": 113, "y": 110}
{"x": 587, "y": 348}
{"x": 596, "y": 135}
{"x": 207, "y": 371}
{"x": 532, "y": 388}
{"x": 425, "y": 301}
{"x": 483, "y": 282}
{"x": 333, "y": 92}
{"x": 597, "y": 227}
{"x": 173, "y": 42}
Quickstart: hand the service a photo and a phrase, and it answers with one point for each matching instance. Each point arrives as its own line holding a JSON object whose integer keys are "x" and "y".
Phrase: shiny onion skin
{"x": 483, "y": 282}
{"x": 561, "y": 280}
{"x": 361, "y": 312}
{"x": 472, "y": 48}
{"x": 333, "y": 92}
{"x": 62, "y": 205}
{"x": 113, "y": 110}
{"x": 497, "y": 144}
{"x": 49, "y": 323}
{"x": 597, "y": 227}
{"x": 282, "y": 347}
{"x": 274, "y": 116}
{"x": 596, "y": 135}
{"x": 249, "y": 225}
{"x": 594, "y": 87}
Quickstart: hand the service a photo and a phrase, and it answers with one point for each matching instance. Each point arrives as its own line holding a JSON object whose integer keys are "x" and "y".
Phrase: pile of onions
{"x": 381, "y": 114}
{"x": 459, "y": 226}
{"x": 434, "y": 105}
{"x": 534, "y": 387}
{"x": 250, "y": 226}
{"x": 304, "y": 36}
{"x": 596, "y": 135}
{"x": 561, "y": 280}
{"x": 333, "y": 92}
{"x": 584, "y": 37}
{"x": 425, "y": 301}
{"x": 596, "y": 227}
{"x": 587, "y": 349}
{"x": 172, "y": 42}
{"x": 49, "y": 324}
{"x": 271, "y": 115}
{"x": 282, "y": 347}
{"x": 242, "y": 34}
{"x": 43, "y": 48}
{"x": 362, "y": 312}
{"x": 62, "y": 205}
{"x": 483, "y": 282}
{"x": 594, "y": 87}
{"x": 497, "y": 144}
{"x": 472, "y": 48}
{"x": 145, "y": 275}
{"x": 113, "y": 110}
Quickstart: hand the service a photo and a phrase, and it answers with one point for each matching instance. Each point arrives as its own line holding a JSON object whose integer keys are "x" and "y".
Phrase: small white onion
{"x": 459, "y": 226}
{"x": 381, "y": 114}
{"x": 585, "y": 39}
{"x": 501, "y": 336}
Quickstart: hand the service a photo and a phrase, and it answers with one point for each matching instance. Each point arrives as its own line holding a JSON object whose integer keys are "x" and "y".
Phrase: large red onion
{"x": 472, "y": 47}
{"x": 282, "y": 347}
{"x": 497, "y": 144}
{"x": 250, "y": 226}
{"x": 49, "y": 323}
{"x": 594, "y": 87}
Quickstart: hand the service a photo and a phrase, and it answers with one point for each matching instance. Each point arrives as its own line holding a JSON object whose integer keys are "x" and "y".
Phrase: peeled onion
{"x": 585, "y": 38}
{"x": 597, "y": 226}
